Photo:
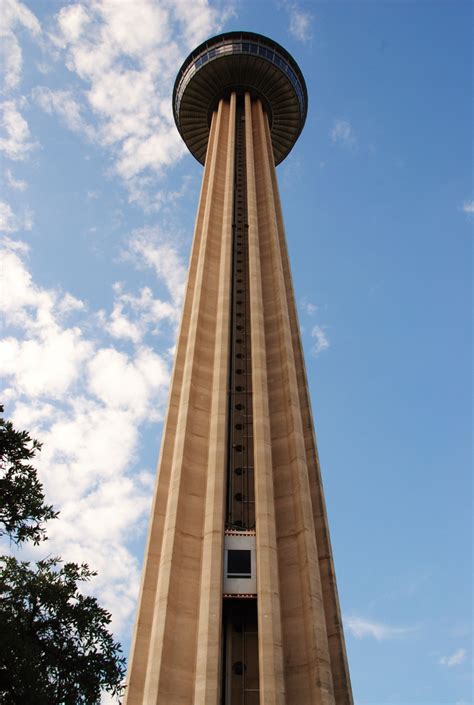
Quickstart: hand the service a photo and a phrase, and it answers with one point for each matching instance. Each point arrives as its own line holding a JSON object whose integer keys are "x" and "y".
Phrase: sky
{"x": 97, "y": 204}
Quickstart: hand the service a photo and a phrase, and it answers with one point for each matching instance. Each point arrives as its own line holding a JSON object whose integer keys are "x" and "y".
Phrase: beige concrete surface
{"x": 176, "y": 656}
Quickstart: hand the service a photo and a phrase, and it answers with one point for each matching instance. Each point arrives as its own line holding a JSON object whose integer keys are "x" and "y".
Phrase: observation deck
{"x": 240, "y": 62}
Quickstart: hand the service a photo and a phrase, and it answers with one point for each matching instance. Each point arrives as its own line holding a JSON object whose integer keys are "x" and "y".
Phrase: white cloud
{"x": 140, "y": 379}
{"x": 308, "y": 307}
{"x": 151, "y": 248}
{"x": 50, "y": 356}
{"x": 198, "y": 19}
{"x": 152, "y": 200}
{"x": 468, "y": 207}
{"x": 124, "y": 56}
{"x": 360, "y": 628}
{"x": 120, "y": 326}
{"x": 16, "y": 184}
{"x": 10, "y": 245}
{"x": 69, "y": 303}
{"x": 87, "y": 402}
{"x": 44, "y": 365}
{"x": 455, "y": 659}
{"x": 14, "y": 14}
{"x": 15, "y": 141}
{"x": 73, "y": 21}
{"x": 25, "y": 303}
{"x": 150, "y": 314}
{"x": 300, "y": 22}
{"x": 342, "y": 133}
{"x": 154, "y": 151}
{"x": 86, "y": 443}
{"x": 10, "y": 222}
{"x": 321, "y": 341}
{"x": 65, "y": 105}
{"x": 44, "y": 362}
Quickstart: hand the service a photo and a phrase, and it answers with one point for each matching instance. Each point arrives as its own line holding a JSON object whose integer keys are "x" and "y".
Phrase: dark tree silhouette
{"x": 55, "y": 647}
{"x": 22, "y": 507}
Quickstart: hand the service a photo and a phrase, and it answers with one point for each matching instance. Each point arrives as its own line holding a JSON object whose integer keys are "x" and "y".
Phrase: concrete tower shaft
{"x": 238, "y": 603}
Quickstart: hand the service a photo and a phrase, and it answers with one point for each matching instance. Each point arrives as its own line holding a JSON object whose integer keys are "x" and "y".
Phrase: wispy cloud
{"x": 342, "y": 133}
{"x": 135, "y": 315}
{"x": 16, "y": 184}
{"x": 15, "y": 137}
{"x": 361, "y": 627}
{"x": 151, "y": 199}
{"x": 455, "y": 659}
{"x": 14, "y": 15}
{"x": 149, "y": 247}
{"x": 11, "y": 222}
{"x": 468, "y": 207}
{"x": 64, "y": 104}
{"x": 300, "y": 26}
{"x": 308, "y": 307}
{"x": 321, "y": 341}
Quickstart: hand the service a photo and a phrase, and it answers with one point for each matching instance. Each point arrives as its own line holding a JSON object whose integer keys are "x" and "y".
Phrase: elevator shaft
{"x": 240, "y": 463}
{"x": 240, "y": 621}
{"x": 241, "y": 653}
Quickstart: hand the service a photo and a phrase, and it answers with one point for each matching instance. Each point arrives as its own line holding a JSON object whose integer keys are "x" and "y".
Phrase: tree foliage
{"x": 22, "y": 507}
{"x": 55, "y": 647}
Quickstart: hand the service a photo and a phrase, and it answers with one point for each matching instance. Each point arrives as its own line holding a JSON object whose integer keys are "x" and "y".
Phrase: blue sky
{"x": 96, "y": 212}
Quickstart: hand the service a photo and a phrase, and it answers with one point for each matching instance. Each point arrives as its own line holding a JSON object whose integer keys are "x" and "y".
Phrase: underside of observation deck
{"x": 240, "y": 62}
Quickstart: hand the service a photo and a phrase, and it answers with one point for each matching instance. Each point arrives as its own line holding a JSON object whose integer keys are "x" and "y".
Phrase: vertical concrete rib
{"x": 334, "y": 626}
{"x": 139, "y": 652}
{"x": 307, "y": 661}
{"x": 170, "y": 676}
{"x": 209, "y": 644}
{"x": 187, "y": 451}
{"x": 272, "y": 685}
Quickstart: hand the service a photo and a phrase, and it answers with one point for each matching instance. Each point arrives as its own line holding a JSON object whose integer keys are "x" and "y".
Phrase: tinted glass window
{"x": 238, "y": 564}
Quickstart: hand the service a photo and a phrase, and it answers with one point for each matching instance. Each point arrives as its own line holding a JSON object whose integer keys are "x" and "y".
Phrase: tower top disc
{"x": 240, "y": 62}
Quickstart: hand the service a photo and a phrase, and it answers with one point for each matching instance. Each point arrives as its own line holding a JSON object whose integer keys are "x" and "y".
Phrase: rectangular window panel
{"x": 239, "y": 564}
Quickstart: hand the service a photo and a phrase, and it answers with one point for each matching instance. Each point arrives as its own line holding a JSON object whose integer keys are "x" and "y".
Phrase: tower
{"x": 238, "y": 603}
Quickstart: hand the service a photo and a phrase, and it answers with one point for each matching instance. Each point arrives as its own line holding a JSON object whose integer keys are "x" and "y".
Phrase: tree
{"x": 55, "y": 648}
{"x": 22, "y": 507}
